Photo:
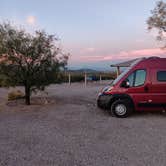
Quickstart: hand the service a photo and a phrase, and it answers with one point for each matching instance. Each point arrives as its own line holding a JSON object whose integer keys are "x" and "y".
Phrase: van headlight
{"x": 107, "y": 89}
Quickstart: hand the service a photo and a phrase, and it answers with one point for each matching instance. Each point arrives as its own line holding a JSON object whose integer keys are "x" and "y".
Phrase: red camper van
{"x": 140, "y": 87}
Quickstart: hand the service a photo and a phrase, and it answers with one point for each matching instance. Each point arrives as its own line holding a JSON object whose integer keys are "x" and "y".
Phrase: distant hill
{"x": 87, "y": 70}
{"x": 91, "y": 69}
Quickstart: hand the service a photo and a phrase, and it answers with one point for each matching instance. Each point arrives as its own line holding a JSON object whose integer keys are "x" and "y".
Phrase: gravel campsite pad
{"x": 65, "y": 128}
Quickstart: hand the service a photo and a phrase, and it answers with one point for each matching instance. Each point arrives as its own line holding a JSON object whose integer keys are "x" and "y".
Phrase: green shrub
{"x": 17, "y": 94}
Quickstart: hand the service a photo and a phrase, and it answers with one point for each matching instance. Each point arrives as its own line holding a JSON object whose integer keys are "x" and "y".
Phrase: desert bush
{"x": 17, "y": 94}
{"x": 77, "y": 78}
{"x": 32, "y": 60}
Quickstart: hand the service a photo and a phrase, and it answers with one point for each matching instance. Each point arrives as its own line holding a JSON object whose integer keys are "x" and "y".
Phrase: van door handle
{"x": 146, "y": 89}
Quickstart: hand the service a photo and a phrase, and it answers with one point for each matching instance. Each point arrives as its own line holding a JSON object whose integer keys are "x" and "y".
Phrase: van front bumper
{"x": 103, "y": 101}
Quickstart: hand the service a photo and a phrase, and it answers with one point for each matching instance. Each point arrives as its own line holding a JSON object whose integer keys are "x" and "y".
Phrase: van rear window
{"x": 161, "y": 75}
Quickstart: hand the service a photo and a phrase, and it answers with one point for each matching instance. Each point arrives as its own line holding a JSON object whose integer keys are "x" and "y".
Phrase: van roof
{"x": 153, "y": 59}
{"x": 124, "y": 64}
{"x": 153, "y": 62}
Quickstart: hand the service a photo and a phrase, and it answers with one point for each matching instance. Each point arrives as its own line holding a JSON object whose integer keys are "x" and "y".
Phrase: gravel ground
{"x": 72, "y": 131}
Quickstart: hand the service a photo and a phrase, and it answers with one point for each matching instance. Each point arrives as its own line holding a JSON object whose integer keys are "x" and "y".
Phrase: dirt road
{"x": 72, "y": 131}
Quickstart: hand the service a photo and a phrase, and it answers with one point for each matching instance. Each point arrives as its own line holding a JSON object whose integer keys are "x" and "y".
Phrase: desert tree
{"x": 30, "y": 60}
{"x": 157, "y": 21}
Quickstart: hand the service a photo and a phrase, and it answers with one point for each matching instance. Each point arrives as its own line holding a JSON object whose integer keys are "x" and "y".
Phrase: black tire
{"x": 122, "y": 108}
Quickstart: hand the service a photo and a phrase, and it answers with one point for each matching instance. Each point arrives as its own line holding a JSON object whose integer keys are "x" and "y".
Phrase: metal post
{"x": 100, "y": 79}
{"x": 69, "y": 79}
{"x": 118, "y": 71}
{"x": 85, "y": 79}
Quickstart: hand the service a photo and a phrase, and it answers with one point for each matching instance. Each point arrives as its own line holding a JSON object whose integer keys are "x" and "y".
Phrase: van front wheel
{"x": 121, "y": 108}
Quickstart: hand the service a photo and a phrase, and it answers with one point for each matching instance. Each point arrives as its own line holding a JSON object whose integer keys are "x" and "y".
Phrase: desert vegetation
{"x": 157, "y": 21}
{"x": 30, "y": 60}
{"x": 77, "y": 76}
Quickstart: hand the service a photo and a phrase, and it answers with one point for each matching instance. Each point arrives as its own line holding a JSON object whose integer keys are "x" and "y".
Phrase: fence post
{"x": 69, "y": 79}
{"x": 85, "y": 78}
{"x": 100, "y": 79}
{"x": 118, "y": 71}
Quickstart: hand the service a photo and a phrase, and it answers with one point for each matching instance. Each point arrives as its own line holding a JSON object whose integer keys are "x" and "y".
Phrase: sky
{"x": 96, "y": 33}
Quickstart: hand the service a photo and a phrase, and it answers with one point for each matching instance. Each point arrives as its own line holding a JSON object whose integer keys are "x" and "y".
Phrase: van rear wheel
{"x": 121, "y": 108}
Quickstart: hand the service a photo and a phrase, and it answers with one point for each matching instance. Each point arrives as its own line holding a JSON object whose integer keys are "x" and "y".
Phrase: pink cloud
{"x": 124, "y": 55}
{"x": 88, "y": 50}
{"x": 139, "y": 53}
{"x": 91, "y": 58}
{"x": 31, "y": 20}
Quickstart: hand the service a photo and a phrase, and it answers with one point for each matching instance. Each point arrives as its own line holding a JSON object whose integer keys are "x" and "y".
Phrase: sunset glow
{"x": 96, "y": 33}
{"x": 31, "y": 20}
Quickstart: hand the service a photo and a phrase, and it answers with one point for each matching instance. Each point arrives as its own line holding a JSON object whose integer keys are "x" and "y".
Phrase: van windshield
{"x": 126, "y": 71}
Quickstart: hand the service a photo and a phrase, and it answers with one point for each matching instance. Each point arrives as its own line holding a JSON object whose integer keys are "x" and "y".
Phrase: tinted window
{"x": 140, "y": 77}
{"x": 126, "y": 71}
{"x": 131, "y": 79}
{"x": 161, "y": 76}
{"x": 137, "y": 78}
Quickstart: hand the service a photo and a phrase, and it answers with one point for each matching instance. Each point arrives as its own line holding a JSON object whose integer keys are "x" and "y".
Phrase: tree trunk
{"x": 27, "y": 95}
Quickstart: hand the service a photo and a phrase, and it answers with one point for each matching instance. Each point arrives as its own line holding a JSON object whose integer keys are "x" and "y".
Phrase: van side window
{"x": 137, "y": 78}
{"x": 131, "y": 79}
{"x": 161, "y": 75}
{"x": 140, "y": 77}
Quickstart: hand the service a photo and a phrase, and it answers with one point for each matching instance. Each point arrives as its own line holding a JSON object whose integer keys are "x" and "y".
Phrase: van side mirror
{"x": 125, "y": 84}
